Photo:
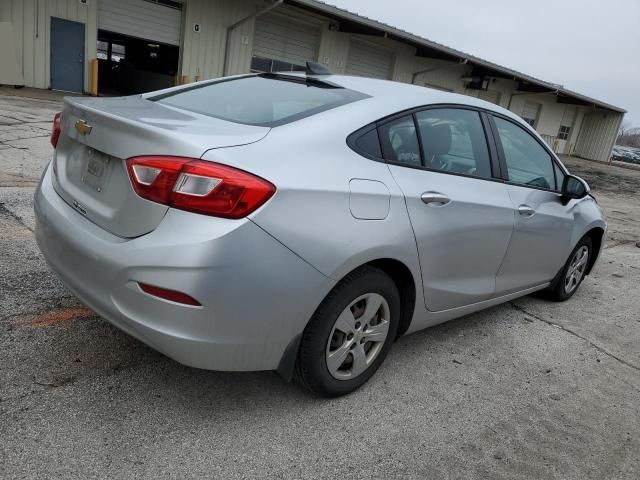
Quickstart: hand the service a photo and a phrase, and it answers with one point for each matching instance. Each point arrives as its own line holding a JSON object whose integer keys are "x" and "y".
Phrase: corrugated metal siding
{"x": 597, "y": 135}
{"x": 31, "y": 21}
{"x": 367, "y": 60}
{"x": 141, "y": 19}
{"x": 333, "y": 50}
{"x": 492, "y": 96}
{"x": 279, "y": 36}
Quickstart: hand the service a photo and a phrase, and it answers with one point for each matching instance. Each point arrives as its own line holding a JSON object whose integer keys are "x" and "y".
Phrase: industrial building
{"x": 144, "y": 45}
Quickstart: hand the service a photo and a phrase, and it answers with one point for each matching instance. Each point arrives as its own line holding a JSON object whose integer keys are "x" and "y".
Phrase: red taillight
{"x": 198, "y": 186}
{"x": 55, "y": 129}
{"x": 171, "y": 295}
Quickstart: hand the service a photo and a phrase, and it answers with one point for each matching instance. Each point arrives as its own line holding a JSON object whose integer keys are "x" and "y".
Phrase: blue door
{"x": 67, "y": 55}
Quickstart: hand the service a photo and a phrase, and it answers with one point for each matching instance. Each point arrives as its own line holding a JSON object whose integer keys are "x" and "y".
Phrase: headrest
{"x": 436, "y": 139}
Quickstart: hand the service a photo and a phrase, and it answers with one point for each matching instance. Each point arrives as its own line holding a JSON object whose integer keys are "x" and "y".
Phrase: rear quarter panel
{"x": 312, "y": 166}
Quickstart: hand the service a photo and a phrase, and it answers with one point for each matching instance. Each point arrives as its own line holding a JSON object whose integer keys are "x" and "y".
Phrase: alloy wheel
{"x": 576, "y": 269}
{"x": 358, "y": 336}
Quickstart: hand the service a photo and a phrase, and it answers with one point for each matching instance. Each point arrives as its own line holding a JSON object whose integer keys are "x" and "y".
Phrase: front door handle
{"x": 435, "y": 199}
{"x": 526, "y": 211}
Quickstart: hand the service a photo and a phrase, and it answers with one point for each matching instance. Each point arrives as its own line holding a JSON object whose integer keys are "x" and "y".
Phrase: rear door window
{"x": 261, "y": 100}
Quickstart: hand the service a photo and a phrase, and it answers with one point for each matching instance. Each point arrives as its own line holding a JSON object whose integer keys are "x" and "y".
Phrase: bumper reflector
{"x": 170, "y": 295}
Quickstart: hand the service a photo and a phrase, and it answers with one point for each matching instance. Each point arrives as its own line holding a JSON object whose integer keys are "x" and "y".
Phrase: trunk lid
{"x": 99, "y": 134}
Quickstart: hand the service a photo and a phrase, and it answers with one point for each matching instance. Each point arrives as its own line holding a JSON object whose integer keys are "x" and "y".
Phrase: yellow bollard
{"x": 94, "y": 77}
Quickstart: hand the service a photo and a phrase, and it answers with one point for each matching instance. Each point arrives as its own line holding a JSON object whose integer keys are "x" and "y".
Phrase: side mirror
{"x": 574, "y": 188}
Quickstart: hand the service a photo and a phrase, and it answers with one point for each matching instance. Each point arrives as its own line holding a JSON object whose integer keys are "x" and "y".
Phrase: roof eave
{"x": 415, "y": 39}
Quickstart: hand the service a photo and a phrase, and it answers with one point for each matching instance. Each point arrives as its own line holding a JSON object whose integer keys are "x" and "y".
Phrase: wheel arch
{"x": 596, "y": 234}
{"x": 406, "y": 285}
{"x": 405, "y": 282}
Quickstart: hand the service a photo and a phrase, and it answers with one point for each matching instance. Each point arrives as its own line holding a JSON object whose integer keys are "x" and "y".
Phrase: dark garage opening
{"x": 129, "y": 65}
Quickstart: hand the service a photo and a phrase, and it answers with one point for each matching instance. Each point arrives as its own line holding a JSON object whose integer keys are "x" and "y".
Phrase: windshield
{"x": 262, "y": 100}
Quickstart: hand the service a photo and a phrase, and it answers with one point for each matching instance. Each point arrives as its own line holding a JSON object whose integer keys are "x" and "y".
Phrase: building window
{"x": 530, "y": 113}
{"x": 261, "y": 65}
{"x": 117, "y": 52}
{"x": 103, "y": 50}
{"x": 563, "y": 133}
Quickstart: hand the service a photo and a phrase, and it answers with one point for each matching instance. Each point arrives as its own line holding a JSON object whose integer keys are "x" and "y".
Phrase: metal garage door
{"x": 151, "y": 20}
{"x": 530, "y": 113}
{"x": 282, "y": 42}
{"x": 366, "y": 60}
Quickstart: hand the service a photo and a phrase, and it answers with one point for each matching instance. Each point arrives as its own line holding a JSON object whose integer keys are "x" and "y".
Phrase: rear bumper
{"x": 256, "y": 294}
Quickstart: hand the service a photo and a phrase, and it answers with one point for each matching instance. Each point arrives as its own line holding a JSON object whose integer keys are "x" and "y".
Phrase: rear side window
{"x": 528, "y": 163}
{"x": 453, "y": 141}
{"x": 262, "y": 100}
{"x": 368, "y": 143}
{"x": 400, "y": 141}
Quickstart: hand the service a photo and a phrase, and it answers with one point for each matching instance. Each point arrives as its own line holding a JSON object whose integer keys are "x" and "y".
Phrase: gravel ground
{"x": 529, "y": 389}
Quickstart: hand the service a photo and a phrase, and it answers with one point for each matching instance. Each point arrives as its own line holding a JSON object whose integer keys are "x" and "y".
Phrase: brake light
{"x": 55, "y": 129}
{"x": 198, "y": 186}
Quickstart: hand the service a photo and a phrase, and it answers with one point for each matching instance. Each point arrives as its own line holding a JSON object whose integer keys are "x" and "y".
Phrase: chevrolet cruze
{"x": 302, "y": 222}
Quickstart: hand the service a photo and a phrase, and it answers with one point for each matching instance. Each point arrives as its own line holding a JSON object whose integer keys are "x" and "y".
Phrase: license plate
{"x": 95, "y": 171}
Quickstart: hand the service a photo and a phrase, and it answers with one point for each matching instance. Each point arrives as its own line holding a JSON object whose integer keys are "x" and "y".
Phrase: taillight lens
{"x": 55, "y": 129}
{"x": 198, "y": 186}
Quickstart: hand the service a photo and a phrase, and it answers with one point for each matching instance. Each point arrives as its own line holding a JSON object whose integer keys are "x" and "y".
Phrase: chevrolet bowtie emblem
{"x": 83, "y": 128}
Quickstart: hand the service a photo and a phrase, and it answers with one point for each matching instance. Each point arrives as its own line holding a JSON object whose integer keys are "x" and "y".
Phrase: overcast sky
{"x": 589, "y": 46}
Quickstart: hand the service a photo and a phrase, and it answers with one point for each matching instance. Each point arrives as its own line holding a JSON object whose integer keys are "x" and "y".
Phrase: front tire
{"x": 573, "y": 272}
{"x": 350, "y": 334}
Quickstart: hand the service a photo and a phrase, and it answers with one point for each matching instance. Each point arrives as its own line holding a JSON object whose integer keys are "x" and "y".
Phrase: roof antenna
{"x": 315, "y": 68}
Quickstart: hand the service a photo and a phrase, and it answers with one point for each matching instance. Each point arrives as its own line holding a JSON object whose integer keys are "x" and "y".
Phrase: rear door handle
{"x": 526, "y": 211}
{"x": 435, "y": 199}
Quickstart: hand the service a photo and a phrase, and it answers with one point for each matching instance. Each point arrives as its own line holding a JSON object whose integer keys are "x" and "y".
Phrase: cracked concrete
{"x": 529, "y": 389}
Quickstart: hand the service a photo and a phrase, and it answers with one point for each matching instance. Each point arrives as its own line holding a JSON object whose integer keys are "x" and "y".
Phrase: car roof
{"x": 404, "y": 95}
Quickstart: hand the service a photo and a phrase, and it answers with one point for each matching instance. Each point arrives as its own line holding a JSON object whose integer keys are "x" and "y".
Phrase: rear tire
{"x": 350, "y": 334}
{"x": 573, "y": 272}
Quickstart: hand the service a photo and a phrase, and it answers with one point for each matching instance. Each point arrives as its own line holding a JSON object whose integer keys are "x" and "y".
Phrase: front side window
{"x": 528, "y": 163}
{"x": 400, "y": 142}
{"x": 262, "y": 100}
{"x": 559, "y": 176}
{"x": 453, "y": 140}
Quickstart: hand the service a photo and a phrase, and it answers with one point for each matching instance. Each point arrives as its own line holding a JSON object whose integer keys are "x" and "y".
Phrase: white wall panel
{"x": 31, "y": 21}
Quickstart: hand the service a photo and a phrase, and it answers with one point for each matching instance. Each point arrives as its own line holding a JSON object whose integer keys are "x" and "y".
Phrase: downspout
{"x": 441, "y": 67}
{"x": 232, "y": 27}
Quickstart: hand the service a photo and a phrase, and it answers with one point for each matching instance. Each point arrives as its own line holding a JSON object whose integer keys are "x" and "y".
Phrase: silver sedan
{"x": 302, "y": 222}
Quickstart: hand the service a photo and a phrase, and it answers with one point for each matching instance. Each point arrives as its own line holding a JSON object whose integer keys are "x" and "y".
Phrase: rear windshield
{"x": 261, "y": 100}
